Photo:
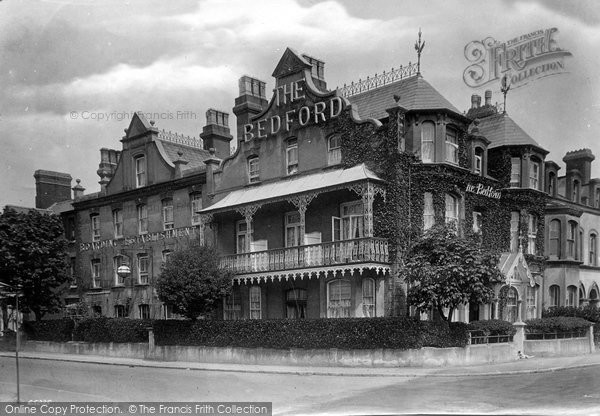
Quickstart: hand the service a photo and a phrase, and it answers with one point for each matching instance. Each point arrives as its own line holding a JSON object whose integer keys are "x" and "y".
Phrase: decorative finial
{"x": 180, "y": 153}
{"x": 152, "y": 123}
{"x": 78, "y": 181}
{"x": 504, "y": 87}
{"x": 419, "y": 48}
{"x": 396, "y": 98}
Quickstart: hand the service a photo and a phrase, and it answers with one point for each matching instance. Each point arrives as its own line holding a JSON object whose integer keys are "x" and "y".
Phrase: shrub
{"x": 492, "y": 327}
{"x": 349, "y": 333}
{"x": 557, "y": 324}
{"x": 112, "y": 330}
{"x": 57, "y": 330}
{"x": 588, "y": 312}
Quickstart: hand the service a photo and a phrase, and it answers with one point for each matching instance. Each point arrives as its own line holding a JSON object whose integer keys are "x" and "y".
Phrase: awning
{"x": 293, "y": 185}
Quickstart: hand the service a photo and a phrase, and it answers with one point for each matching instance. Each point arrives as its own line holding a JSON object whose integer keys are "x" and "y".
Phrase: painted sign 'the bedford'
{"x": 295, "y": 117}
{"x": 480, "y": 189}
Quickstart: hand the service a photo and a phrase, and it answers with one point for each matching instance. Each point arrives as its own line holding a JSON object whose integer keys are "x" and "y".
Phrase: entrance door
{"x": 473, "y": 312}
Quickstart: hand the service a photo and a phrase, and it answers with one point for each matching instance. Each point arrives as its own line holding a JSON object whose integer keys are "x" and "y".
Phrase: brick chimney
{"x": 317, "y": 71}
{"x": 78, "y": 189}
{"x": 252, "y": 101}
{"x": 580, "y": 160}
{"x": 216, "y": 135}
{"x": 51, "y": 187}
{"x": 488, "y": 97}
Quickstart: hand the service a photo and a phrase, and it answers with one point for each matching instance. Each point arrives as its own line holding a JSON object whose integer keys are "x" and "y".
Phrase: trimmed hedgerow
{"x": 491, "y": 327}
{"x": 557, "y": 324}
{"x": 112, "y": 330}
{"x": 350, "y": 333}
{"x": 57, "y": 330}
{"x": 588, "y": 312}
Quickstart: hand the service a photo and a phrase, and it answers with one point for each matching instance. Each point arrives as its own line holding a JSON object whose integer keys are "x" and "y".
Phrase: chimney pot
{"x": 488, "y": 97}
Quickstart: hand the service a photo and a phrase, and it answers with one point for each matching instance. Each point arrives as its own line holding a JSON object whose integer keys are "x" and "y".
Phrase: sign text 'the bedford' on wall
{"x": 479, "y": 189}
{"x": 296, "y": 117}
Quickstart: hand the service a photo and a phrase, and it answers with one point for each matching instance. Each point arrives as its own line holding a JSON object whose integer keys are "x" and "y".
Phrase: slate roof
{"x": 501, "y": 130}
{"x": 193, "y": 155}
{"x": 415, "y": 94}
{"x": 61, "y": 206}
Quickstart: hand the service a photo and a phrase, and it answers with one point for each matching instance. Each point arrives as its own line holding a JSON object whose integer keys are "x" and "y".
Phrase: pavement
{"x": 520, "y": 366}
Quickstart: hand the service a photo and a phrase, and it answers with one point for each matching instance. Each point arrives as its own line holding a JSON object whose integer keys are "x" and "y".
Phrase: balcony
{"x": 346, "y": 252}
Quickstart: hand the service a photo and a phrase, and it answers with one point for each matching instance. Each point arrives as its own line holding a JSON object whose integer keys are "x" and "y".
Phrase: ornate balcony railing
{"x": 361, "y": 250}
{"x": 379, "y": 80}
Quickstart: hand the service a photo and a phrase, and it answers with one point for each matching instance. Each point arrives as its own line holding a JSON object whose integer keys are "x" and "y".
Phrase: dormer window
{"x": 478, "y": 161}
{"x": 427, "y": 141}
{"x": 515, "y": 172}
{"x": 140, "y": 171}
{"x": 451, "y": 146}
{"x": 253, "y": 169}
{"x": 291, "y": 155}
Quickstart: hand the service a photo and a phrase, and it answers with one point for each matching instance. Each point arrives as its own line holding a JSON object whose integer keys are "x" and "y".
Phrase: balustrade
{"x": 324, "y": 254}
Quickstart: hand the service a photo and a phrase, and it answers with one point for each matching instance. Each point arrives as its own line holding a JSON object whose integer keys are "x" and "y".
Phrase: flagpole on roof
{"x": 419, "y": 48}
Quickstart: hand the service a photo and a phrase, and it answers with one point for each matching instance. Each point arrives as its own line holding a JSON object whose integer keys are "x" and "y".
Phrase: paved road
{"x": 574, "y": 391}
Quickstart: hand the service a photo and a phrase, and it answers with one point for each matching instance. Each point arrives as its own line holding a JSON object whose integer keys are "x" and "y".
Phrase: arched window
{"x": 291, "y": 156}
{"x": 554, "y": 237}
{"x": 478, "y": 161}
{"x": 427, "y": 141}
{"x": 571, "y": 295}
{"x": 593, "y": 248}
{"x": 334, "y": 150}
{"x": 571, "y": 238}
{"x": 339, "y": 297}
{"x": 368, "y": 297}
{"x": 581, "y": 296}
{"x": 508, "y": 299}
{"x": 532, "y": 228}
{"x": 576, "y": 192}
{"x": 428, "y": 211}
{"x": 451, "y": 146}
{"x": 552, "y": 184}
{"x": 594, "y": 297}
{"x": 554, "y": 299}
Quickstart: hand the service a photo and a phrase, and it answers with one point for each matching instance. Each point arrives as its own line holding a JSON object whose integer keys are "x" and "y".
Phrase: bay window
{"x": 427, "y": 141}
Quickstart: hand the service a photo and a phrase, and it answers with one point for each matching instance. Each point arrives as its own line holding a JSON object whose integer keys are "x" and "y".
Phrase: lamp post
{"x": 17, "y": 340}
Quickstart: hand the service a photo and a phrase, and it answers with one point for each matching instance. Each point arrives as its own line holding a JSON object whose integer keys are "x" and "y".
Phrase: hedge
{"x": 57, "y": 330}
{"x": 112, "y": 330}
{"x": 491, "y": 327}
{"x": 348, "y": 333}
{"x": 557, "y": 324}
{"x": 588, "y": 312}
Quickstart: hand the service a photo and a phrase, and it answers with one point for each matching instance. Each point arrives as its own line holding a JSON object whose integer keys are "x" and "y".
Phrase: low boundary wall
{"x": 424, "y": 357}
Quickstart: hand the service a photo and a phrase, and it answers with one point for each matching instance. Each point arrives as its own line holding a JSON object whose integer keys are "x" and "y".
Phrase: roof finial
{"x": 419, "y": 48}
{"x": 504, "y": 87}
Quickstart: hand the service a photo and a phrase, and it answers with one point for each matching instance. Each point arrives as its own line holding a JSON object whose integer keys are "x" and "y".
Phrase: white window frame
{"x": 232, "y": 310}
{"x": 254, "y": 169}
{"x": 572, "y": 229}
{"x": 554, "y": 296}
{"x": 534, "y": 174}
{"x": 119, "y": 311}
{"x": 428, "y": 211}
{"x": 167, "y": 214}
{"x": 428, "y": 143}
{"x": 593, "y": 249}
{"x": 515, "y": 172}
{"x": 196, "y": 205}
{"x": 255, "y": 302}
{"x": 352, "y": 220}
{"x": 118, "y": 261}
{"x": 143, "y": 269}
{"x": 334, "y": 150}
{"x": 96, "y": 265}
{"x": 515, "y": 218}
{"x": 532, "y": 229}
{"x": 368, "y": 297}
{"x": 292, "y": 225}
{"x": 478, "y": 161}
{"x": 142, "y": 215}
{"x": 146, "y": 307}
{"x": 570, "y": 299}
{"x": 95, "y": 225}
{"x": 165, "y": 255}
{"x": 344, "y": 308}
{"x": 291, "y": 156}
{"x": 451, "y": 146}
{"x": 118, "y": 223}
{"x": 140, "y": 171}
{"x": 531, "y": 299}
{"x": 452, "y": 201}
{"x": 555, "y": 237}
{"x": 241, "y": 230}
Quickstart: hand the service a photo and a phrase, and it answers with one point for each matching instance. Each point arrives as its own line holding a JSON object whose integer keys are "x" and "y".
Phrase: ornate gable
{"x": 290, "y": 63}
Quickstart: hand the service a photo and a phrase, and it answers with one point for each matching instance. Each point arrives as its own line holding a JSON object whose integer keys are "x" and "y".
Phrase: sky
{"x": 73, "y": 72}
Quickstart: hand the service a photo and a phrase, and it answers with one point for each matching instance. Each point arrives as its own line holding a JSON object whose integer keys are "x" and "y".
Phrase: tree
{"x": 33, "y": 258}
{"x": 444, "y": 270}
{"x": 191, "y": 281}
